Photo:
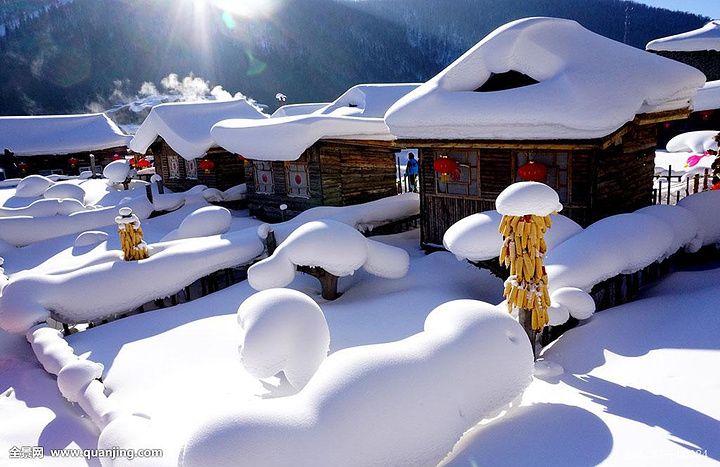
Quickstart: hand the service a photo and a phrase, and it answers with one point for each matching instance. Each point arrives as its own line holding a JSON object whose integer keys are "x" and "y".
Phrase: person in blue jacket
{"x": 411, "y": 172}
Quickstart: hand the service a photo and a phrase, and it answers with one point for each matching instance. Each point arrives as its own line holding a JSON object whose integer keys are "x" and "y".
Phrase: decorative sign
{"x": 191, "y": 169}
{"x": 174, "y": 166}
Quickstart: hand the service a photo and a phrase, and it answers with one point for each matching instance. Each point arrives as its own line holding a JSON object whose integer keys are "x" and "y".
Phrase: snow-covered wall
{"x": 400, "y": 403}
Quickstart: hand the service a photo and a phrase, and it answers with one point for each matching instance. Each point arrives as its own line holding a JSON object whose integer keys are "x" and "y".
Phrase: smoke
{"x": 191, "y": 88}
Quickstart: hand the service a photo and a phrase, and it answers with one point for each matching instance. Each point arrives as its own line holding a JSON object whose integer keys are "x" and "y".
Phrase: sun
{"x": 244, "y": 8}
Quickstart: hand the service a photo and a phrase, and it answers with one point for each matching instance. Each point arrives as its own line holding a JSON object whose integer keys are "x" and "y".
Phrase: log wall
{"x": 229, "y": 170}
{"x": 54, "y": 162}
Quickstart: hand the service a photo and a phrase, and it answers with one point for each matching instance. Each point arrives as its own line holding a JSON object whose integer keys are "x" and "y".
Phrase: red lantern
{"x": 706, "y": 114}
{"x": 207, "y": 165}
{"x": 240, "y": 157}
{"x": 533, "y": 171}
{"x": 445, "y": 167}
{"x": 23, "y": 166}
{"x": 143, "y": 163}
{"x": 716, "y": 186}
{"x": 73, "y": 162}
{"x": 117, "y": 157}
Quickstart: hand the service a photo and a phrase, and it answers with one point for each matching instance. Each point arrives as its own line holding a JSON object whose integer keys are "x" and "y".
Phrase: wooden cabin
{"x": 549, "y": 91}
{"x": 338, "y": 155}
{"x": 178, "y": 136}
{"x": 699, "y": 48}
{"x": 62, "y": 144}
{"x": 329, "y": 173}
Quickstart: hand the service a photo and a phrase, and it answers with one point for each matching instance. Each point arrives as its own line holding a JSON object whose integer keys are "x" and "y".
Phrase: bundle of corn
{"x": 131, "y": 236}
{"x": 523, "y": 252}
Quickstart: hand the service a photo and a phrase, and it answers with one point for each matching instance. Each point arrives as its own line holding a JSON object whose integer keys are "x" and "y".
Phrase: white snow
{"x": 523, "y": 198}
{"x": 476, "y": 237}
{"x": 620, "y": 244}
{"x": 399, "y": 403}
{"x": 693, "y": 141}
{"x": 282, "y": 330}
{"x": 32, "y": 186}
{"x": 185, "y": 126}
{"x": 117, "y": 171}
{"x": 44, "y": 207}
{"x": 708, "y": 97}
{"x": 580, "y": 304}
{"x": 91, "y": 237}
{"x": 577, "y": 94}
{"x": 65, "y": 190}
{"x": 292, "y": 110}
{"x": 357, "y": 114}
{"x": 209, "y": 220}
{"x": 684, "y": 223}
{"x": 704, "y": 38}
{"x": 59, "y": 134}
{"x": 706, "y": 206}
{"x": 334, "y": 246}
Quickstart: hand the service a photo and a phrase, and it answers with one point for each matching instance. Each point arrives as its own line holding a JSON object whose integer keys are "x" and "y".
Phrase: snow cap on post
{"x": 522, "y": 198}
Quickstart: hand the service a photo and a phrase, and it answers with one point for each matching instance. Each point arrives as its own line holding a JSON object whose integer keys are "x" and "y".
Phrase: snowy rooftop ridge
{"x": 708, "y": 97}
{"x": 357, "y": 114}
{"x": 587, "y": 87}
{"x": 704, "y": 38}
{"x": 185, "y": 126}
{"x": 59, "y": 134}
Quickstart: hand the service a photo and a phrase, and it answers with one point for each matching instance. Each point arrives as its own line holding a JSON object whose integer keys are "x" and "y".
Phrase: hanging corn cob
{"x": 131, "y": 236}
{"x": 526, "y": 209}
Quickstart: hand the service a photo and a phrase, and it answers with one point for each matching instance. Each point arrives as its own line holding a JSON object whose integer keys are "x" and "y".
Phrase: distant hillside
{"x": 68, "y": 55}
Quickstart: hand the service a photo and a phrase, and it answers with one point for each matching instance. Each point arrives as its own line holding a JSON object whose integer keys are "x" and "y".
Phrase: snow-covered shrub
{"x": 579, "y": 303}
{"x": 117, "y": 171}
{"x": 283, "y": 330}
{"x": 32, "y": 186}
{"x": 65, "y": 190}
{"x": 336, "y": 247}
{"x": 693, "y": 141}
{"x": 706, "y": 206}
{"x": 209, "y": 220}
{"x": 400, "y": 403}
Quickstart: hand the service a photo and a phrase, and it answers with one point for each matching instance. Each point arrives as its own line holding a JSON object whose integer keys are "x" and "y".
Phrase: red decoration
{"x": 533, "y": 171}
{"x": 117, "y": 157}
{"x": 298, "y": 179}
{"x": 240, "y": 157}
{"x": 445, "y": 166}
{"x": 23, "y": 166}
{"x": 143, "y": 163}
{"x": 73, "y": 162}
{"x": 207, "y": 165}
{"x": 264, "y": 178}
{"x": 716, "y": 186}
{"x": 706, "y": 114}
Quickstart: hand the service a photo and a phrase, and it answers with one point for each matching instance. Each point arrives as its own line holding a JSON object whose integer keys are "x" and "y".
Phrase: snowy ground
{"x": 640, "y": 386}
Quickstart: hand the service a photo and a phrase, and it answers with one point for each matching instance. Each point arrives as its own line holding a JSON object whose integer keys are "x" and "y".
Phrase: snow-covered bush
{"x": 32, "y": 186}
{"x": 209, "y": 220}
{"x": 400, "y": 403}
{"x": 117, "y": 171}
{"x": 333, "y": 246}
{"x": 282, "y": 330}
{"x": 579, "y": 303}
{"x": 65, "y": 190}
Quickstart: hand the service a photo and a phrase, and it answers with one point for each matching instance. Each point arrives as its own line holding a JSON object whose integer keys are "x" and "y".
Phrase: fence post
{"x": 696, "y": 183}
{"x": 705, "y": 180}
{"x": 669, "y": 180}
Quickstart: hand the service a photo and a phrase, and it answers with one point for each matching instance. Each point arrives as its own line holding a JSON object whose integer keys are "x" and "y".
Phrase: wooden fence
{"x": 669, "y": 189}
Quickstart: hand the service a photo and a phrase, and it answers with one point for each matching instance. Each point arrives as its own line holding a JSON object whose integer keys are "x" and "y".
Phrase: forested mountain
{"x": 66, "y": 55}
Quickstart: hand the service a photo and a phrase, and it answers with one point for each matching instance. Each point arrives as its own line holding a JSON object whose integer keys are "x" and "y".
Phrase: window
{"x": 174, "y": 166}
{"x": 297, "y": 180}
{"x": 191, "y": 169}
{"x": 263, "y": 177}
{"x": 509, "y": 80}
{"x": 464, "y": 180}
{"x": 557, "y": 165}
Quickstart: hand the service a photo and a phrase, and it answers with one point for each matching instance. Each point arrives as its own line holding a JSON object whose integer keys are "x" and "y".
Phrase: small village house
{"x": 547, "y": 100}
{"x": 62, "y": 144}
{"x": 338, "y": 155}
{"x": 178, "y": 136}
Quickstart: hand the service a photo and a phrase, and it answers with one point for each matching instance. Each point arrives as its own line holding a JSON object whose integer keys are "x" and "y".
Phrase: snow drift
{"x": 378, "y": 405}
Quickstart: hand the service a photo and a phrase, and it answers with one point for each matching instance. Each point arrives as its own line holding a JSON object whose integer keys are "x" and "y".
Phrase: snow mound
{"x": 92, "y": 237}
{"x": 283, "y": 330}
{"x": 117, "y": 171}
{"x": 693, "y": 141}
{"x": 522, "y": 198}
{"x": 32, "y": 186}
{"x": 476, "y": 237}
{"x": 704, "y": 38}
{"x": 620, "y": 244}
{"x": 65, "y": 190}
{"x": 378, "y": 405}
{"x": 210, "y": 220}
{"x": 545, "y": 369}
{"x": 684, "y": 223}
{"x": 44, "y": 208}
{"x": 336, "y": 247}
{"x": 132, "y": 433}
{"x": 74, "y": 378}
{"x": 579, "y": 303}
{"x": 706, "y": 206}
{"x": 558, "y": 314}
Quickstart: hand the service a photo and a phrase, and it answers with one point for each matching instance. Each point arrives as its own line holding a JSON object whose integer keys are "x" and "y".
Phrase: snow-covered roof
{"x": 185, "y": 126}
{"x": 587, "y": 87}
{"x": 357, "y": 114}
{"x": 704, "y": 38}
{"x": 708, "y": 97}
{"x": 59, "y": 134}
{"x": 291, "y": 110}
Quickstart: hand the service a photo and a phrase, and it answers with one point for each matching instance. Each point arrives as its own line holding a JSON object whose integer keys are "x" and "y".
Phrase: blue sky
{"x": 709, "y": 8}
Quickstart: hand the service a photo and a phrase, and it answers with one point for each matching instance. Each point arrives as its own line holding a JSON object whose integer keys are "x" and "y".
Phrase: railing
{"x": 669, "y": 189}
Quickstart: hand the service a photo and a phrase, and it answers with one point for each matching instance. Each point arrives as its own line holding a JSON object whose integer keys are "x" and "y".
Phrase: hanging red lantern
{"x": 445, "y": 167}
{"x": 73, "y": 162}
{"x": 533, "y": 172}
{"x": 23, "y": 166}
{"x": 207, "y": 165}
{"x": 706, "y": 114}
{"x": 117, "y": 157}
{"x": 143, "y": 163}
